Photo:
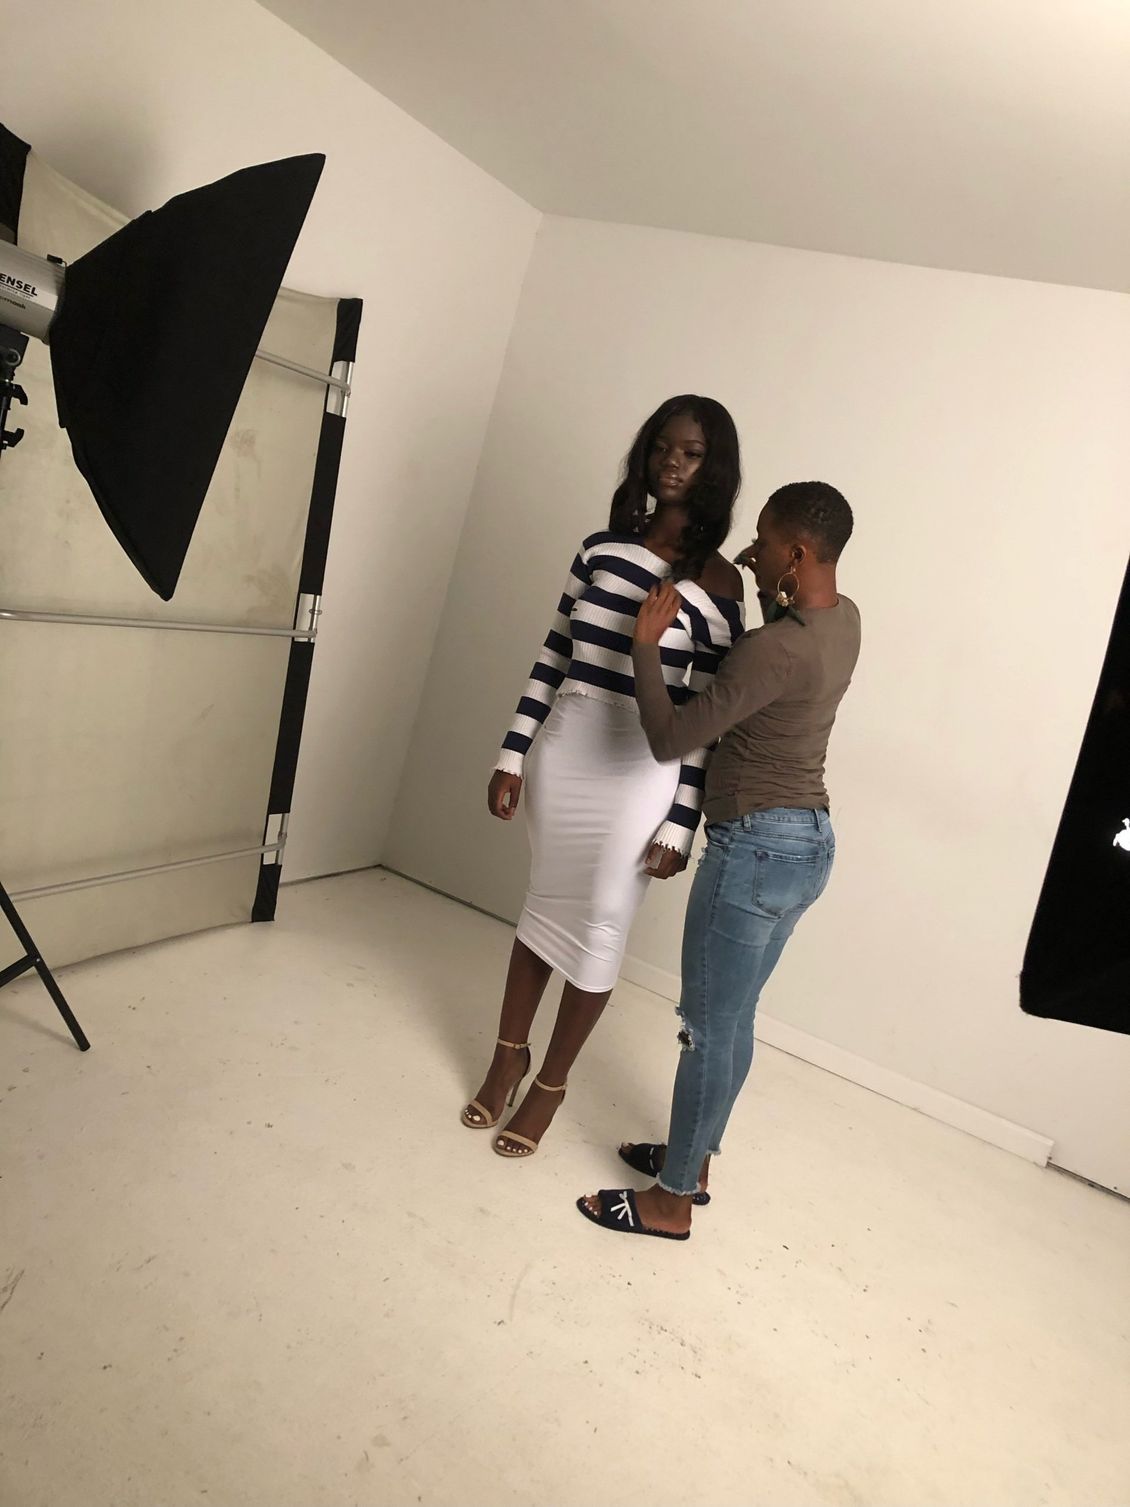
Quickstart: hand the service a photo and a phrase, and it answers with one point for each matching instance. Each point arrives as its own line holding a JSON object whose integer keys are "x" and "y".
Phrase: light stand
{"x": 12, "y": 347}
{"x": 32, "y": 958}
{"x": 152, "y": 334}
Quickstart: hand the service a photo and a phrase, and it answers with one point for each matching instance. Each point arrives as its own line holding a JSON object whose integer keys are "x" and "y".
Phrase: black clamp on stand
{"x": 12, "y": 347}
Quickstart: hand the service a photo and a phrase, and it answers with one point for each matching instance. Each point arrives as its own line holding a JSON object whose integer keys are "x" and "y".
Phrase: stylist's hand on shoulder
{"x": 657, "y": 613}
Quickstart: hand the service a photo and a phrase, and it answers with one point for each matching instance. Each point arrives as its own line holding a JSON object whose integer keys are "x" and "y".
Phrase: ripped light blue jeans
{"x": 757, "y": 878}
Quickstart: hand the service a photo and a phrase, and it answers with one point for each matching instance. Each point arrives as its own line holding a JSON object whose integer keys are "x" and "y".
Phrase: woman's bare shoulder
{"x": 722, "y": 579}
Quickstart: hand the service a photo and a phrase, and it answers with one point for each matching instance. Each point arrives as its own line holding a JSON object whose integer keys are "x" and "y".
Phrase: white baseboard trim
{"x": 880, "y": 1080}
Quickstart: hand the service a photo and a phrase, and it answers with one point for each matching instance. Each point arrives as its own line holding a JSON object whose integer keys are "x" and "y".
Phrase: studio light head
{"x": 152, "y": 335}
{"x": 31, "y": 290}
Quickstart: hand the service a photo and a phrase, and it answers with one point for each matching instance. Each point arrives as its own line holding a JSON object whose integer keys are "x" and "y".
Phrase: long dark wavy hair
{"x": 710, "y": 504}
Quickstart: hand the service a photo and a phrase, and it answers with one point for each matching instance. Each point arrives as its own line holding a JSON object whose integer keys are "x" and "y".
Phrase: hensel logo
{"x": 18, "y": 286}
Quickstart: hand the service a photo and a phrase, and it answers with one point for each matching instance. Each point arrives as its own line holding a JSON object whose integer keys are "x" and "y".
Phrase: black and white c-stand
{"x": 12, "y": 347}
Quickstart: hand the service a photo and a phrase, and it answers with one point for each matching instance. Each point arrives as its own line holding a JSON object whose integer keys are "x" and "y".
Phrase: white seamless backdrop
{"x": 977, "y": 424}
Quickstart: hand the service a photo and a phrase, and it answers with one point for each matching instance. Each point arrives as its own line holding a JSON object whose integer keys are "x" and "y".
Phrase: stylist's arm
{"x": 656, "y": 615}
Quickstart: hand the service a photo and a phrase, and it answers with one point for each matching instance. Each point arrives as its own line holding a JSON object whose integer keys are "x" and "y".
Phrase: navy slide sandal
{"x": 618, "y": 1211}
{"x": 644, "y": 1156}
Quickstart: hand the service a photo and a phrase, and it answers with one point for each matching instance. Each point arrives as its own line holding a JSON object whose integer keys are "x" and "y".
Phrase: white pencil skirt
{"x": 595, "y": 798}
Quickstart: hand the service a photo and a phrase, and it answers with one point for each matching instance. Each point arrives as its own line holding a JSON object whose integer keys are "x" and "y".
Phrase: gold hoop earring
{"x": 785, "y": 598}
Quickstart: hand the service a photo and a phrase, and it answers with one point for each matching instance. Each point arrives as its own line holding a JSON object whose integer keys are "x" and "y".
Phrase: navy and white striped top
{"x": 588, "y": 651}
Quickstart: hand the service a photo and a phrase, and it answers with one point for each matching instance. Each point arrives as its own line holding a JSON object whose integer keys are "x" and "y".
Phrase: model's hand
{"x": 503, "y": 795}
{"x": 658, "y": 613}
{"x": 664, "y": 863}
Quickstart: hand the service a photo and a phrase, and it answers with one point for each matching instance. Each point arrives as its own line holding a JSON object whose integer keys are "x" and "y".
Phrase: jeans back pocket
{"x": 785, "y": 882}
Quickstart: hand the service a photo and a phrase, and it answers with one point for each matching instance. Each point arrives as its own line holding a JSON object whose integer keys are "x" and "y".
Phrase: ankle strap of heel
{"x": 551, "y": 1088}
{"x": 517, "y": 1045}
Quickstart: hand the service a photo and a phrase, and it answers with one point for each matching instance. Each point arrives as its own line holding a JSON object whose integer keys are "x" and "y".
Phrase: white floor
{"x": 249, "y": 1256}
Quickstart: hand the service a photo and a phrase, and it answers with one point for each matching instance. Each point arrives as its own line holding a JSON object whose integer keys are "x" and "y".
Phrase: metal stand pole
{"x": 33, "y": 959}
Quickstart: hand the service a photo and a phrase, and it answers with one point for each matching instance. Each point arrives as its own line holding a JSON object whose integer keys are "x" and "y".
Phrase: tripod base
{"x": 33, "y": 959}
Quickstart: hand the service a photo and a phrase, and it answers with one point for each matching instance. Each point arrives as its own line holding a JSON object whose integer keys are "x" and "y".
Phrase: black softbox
{"x": 1077, "y": 966}
{"x": 153, "y": 343}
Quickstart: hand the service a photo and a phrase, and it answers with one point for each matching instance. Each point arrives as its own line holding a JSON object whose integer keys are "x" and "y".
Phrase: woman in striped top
{"x": 604, "y": 817}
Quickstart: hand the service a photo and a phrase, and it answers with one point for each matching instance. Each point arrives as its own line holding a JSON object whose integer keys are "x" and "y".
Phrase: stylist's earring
{"x": 787, "y": 598}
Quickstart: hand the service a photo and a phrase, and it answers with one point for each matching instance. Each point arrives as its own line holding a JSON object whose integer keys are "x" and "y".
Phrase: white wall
{"x": 978, "y": 426}
{"x": 136, "y": 100}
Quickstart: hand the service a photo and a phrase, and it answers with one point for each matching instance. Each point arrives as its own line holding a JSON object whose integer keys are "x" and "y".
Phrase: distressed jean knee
{"x": 688, "y": 1037}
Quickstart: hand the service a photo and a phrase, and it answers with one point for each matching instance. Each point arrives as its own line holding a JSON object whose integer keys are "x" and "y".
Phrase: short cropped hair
{"x": 817, "y": 513}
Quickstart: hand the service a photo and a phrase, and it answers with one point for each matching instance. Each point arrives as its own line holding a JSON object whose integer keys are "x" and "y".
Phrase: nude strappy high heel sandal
{"x": 525, "y": 1146}
{"x": 476, "y": 1116}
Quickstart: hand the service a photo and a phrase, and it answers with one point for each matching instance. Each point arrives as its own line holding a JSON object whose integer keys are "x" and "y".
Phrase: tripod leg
{"x": 61, "y": 1005}
{"x": 34, "y": 960}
